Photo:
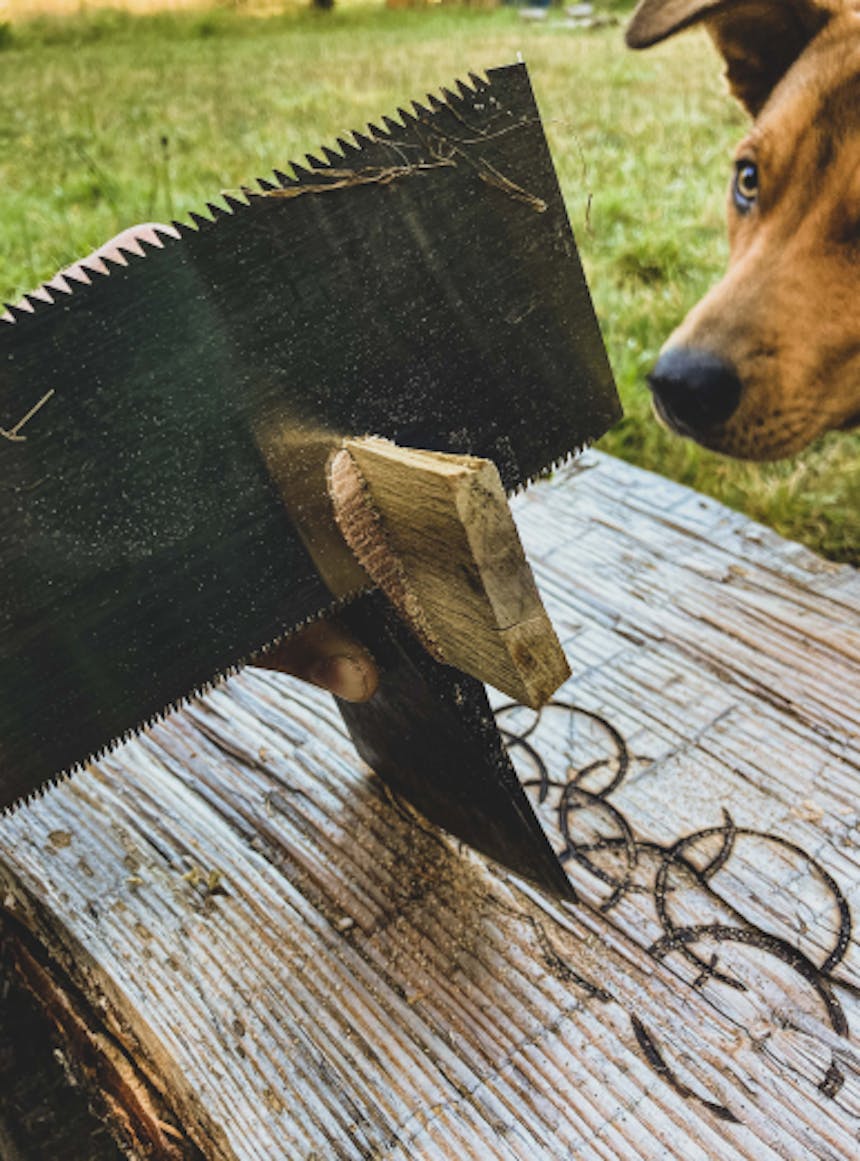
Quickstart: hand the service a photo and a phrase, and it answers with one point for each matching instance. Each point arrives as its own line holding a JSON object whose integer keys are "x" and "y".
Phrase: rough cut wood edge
{"x": 436, "y": 534}
{"x": 120, "y": 1095}
{"x": 301, "y": 968}
{"x": 42, "y": 1109}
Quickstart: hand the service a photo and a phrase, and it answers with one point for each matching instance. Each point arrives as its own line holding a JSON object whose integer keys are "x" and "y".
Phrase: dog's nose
{"x": 695, "y": 389}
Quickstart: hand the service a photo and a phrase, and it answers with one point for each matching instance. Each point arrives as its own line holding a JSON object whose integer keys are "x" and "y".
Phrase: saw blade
{"x": 421, "y": 283}
{"x": 430, "y": 735}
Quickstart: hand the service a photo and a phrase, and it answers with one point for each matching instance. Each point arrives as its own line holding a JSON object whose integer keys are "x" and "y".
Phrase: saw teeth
{"x": 347, "y": 151}
{"x": 37, "y": 302}
{"x": 200, "y": 221}
{"x": 111, "y": 265}
{"x": 16, "y": 311}
{"x": 149, "y": 247}
{"x": 301, "y": 175}
{"x": 393, "y": 127}
{"x": 131, "y": 255}
{"x": 361, "y": 140}
{"x": 77, "y": 281}
{"x": 452, "y": 100}
{"x": 346, "y": 147}
{"x": 64, "y": 284}
{"x": 182, "y": 229}
{"x": 234, "y": 203}
{"x": 155, "y": 719}
{"x": 35, "y": 795}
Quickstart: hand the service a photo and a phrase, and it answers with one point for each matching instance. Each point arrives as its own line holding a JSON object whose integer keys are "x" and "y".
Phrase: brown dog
{"x": 770, "y": 358}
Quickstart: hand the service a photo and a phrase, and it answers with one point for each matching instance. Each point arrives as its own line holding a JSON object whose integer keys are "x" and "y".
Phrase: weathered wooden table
{"x": 253, "y": 951}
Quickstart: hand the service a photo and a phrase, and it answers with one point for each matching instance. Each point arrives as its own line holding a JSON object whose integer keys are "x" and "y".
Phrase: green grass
{"x": 108, "y": 120}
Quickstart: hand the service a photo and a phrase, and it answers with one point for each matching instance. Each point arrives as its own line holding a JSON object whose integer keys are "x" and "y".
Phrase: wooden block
{"x": 259, "y": 952}
{"x": 435, "y": 533}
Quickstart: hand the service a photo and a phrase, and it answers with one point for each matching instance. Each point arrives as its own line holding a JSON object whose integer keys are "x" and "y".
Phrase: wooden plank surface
{"x": 256, "y": 953}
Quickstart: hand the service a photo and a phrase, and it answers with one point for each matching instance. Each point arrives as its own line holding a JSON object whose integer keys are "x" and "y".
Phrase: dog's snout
{"x": 694, "y": 389}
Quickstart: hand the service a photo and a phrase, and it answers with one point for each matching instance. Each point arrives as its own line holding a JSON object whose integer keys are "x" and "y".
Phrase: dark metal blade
{"x": 425, "y": 287}
{"x": 430, "y": 734}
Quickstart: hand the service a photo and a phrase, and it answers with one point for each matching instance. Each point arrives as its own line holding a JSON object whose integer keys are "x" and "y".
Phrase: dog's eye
{"x": 745, "y": 189}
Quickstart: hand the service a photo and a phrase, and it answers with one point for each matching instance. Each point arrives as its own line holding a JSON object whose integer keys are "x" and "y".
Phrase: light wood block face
{"x": 436, "y": 534}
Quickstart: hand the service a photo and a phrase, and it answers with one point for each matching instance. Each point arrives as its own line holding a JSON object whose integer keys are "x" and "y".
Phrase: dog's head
{"x": 770, "y": 358}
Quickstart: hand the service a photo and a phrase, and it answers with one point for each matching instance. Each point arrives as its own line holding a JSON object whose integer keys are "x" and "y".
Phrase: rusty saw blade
{"x": 420, "y": 282}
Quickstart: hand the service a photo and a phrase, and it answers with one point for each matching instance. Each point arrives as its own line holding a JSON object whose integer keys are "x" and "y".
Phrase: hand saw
{"x": 160, "y": 430}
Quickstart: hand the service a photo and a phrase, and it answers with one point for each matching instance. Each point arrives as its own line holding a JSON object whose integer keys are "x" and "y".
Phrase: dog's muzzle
{"x": 694, "y": 391}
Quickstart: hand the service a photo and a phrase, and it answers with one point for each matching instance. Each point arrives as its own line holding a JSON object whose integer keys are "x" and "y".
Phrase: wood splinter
{"x": 435, "y": 533}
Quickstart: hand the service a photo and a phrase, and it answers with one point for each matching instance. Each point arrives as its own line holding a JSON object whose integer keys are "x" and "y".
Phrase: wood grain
{"x": 293, "y": 965}
{"x": 435, "y": 533}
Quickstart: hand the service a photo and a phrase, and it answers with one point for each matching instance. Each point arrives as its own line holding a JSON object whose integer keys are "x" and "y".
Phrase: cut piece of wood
{"x": 435, "y": 533}
{"x": 299, "y": 966}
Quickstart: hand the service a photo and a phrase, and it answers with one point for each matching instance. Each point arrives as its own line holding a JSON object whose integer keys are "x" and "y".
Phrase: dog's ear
{"x": 759, "y": 39}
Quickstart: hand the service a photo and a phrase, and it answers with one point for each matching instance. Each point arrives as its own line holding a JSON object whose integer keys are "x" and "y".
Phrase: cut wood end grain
{"x": 435, "y": 533}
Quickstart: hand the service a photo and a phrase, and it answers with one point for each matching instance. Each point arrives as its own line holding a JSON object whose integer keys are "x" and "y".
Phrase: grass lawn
{"x": 108, "y": 119}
